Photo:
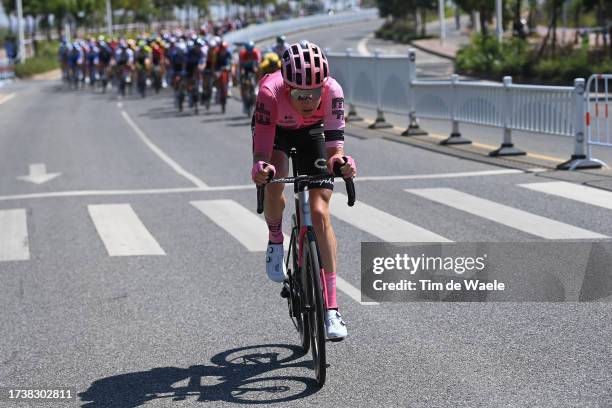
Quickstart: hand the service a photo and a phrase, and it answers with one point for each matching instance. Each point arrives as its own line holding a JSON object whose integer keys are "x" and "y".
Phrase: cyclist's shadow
{"x": 240, "y": 375}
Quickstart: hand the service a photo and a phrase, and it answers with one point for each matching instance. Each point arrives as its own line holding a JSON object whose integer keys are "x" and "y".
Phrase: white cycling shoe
{"x": 275, "y": 267}
{"x": 335, "y": 327}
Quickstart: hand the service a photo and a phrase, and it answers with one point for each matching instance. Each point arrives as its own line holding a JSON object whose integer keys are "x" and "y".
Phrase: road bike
{"x": 179, "y": 90}
{"x": 304, "y": 286}
{"x": 248, "y": 84}
{"x": 191, "y": 88}
{"x": 141, "y": 80}
{"x": 207, "y": 87}
{"x": 103, "y": 82}
{"x": 124, "y": 77}
{"x": 222, "y": 85}
{"x": 156, "y": 77}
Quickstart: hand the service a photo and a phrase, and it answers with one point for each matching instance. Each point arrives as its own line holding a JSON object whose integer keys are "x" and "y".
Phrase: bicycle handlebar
{"x": 350, "y": 185}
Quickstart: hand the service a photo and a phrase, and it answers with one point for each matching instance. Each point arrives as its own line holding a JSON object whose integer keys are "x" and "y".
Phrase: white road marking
{"x": 352, "y": 291}
{"x": 362, "y": 45}
{"x": 81, "y": 193}
{"x": 502, "y": 214}
{"x": 245, "y": 226}
{"x": 442, "y": 175}
{"x": 14, "y": 235}
{"x": 6, "y": 98}
{"x": 175, "y": 166}
{"x": 101, "y": 193}
{"x": 38, "y": 174}
{"x": 383, "y": 225}
{"x": 576, "y": 192}
{"x": 122, "y": 232}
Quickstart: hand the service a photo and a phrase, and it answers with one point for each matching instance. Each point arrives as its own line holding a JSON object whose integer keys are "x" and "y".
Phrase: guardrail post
{"x": 507, "y": 147}
{"x": 348, "y": 93}
{"x": 579, "y": 159}
{"x": 455, "y": 136}
{"x": 380, "y": 122}
{"x": 413, "y": 123}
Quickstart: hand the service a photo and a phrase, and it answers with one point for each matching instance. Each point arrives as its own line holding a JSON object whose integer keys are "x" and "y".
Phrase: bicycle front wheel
{"x": 298, "y": 298}
{"x": 311, "y": 271}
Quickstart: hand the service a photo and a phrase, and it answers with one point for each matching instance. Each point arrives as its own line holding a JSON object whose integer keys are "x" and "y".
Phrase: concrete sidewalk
{"x": 434, "y": 46}
{"x": 457, "y": 38}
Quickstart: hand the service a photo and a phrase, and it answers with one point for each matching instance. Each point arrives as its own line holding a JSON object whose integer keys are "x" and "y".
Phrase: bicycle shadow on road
{"x": 240, "y": 375}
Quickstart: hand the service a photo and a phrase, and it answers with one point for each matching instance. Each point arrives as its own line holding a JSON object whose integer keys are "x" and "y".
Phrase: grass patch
{"x": 401, "y": 31}
{"x": 46, "y": 59}
{"x": 486, "y": 58}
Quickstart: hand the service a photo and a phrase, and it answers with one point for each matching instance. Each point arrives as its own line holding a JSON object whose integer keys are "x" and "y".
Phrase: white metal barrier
{"x": 257, "y": 32}
{"x": 597, "y": 117}
{"x": 378, "y": 82}
{"x": 388, "y": 84}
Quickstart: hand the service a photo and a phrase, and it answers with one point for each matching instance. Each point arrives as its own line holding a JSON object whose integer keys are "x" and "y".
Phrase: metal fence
{"x": 597, "y": 116}
{"x": 388, "y": 84}
{"x": 258, "y": 32}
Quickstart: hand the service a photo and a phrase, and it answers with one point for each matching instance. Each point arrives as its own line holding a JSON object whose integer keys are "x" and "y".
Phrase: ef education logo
{"x": 321, "y": 164}
{"x": 288, "y": 120}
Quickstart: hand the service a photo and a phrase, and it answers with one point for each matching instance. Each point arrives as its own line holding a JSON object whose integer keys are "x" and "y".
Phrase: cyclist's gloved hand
{"x": 262, "y": 172}
{"x": 348, "y": 168}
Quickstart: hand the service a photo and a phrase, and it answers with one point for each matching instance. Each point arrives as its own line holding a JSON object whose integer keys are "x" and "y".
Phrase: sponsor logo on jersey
{"x": 262, "y": 115}
{"x": 338, "y": 103}
{"x": 338, "y": 108}
{"x": 288, "y": 120}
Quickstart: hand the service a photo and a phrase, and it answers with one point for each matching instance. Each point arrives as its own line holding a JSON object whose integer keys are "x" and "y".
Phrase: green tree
{"x": 485, "y": 7}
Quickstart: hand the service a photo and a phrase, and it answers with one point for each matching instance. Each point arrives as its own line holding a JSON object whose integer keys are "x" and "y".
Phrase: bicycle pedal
{"x": 338, "y": 340}
{"x": 285, "y": 292}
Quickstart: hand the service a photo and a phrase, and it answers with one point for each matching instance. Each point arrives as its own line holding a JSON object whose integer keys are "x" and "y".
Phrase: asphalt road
{"x": 131, "y": 284}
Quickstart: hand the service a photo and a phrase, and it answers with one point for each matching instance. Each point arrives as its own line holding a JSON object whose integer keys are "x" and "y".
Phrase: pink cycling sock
{"x": 275, "y": 229}
{"x": 330, "y": 289}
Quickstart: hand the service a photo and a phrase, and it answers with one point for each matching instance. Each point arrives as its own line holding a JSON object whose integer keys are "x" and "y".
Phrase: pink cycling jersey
{"x": 273, "y": 108}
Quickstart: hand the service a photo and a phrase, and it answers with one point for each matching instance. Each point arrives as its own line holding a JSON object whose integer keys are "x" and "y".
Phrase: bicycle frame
{"x": 304, "y": 222}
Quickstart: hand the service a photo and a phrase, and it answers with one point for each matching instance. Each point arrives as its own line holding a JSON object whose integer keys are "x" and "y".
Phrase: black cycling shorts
{"x": 311, "y": 156}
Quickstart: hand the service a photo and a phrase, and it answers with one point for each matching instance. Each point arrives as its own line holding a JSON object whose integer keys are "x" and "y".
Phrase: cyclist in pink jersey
{"x": 301, "y": 106}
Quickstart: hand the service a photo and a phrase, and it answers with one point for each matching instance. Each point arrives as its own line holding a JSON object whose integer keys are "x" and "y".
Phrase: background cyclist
{"x": 248, "y": 64}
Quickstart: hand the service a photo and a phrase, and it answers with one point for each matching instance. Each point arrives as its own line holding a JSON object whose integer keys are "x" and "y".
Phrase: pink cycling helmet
{"x": 304, "y": 66}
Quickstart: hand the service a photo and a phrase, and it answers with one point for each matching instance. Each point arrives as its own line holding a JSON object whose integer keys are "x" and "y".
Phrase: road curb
{"x": 601, "y": 179}
{"x": 431, "y": 51}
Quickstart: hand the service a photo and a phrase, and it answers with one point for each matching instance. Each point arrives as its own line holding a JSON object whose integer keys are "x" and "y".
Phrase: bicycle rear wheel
{"x": 314, "y": 295}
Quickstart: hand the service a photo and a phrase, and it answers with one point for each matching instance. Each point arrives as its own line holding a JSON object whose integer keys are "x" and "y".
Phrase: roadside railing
{"x": 597, "y": 117}
{"x": 388, "y": 84}
{"x": 258, "y": 32}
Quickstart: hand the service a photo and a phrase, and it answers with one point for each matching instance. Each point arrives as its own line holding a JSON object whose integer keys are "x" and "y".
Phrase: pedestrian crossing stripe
{"x": 14, "y": 244}
{"x": 122, "y": 232}
{"x": 242, "y": 224}
{"x": 572, "y": 191}
{"x": 502, "y": 214}
{"x": 381, "y": 224}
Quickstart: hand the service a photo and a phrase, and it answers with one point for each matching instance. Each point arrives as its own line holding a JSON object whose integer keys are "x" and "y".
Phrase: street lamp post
{"x": 442, "y": 21}
{"x": 500, "y": 26}
{"x": 20, "y": 30}
{"x": 109, "y": 18}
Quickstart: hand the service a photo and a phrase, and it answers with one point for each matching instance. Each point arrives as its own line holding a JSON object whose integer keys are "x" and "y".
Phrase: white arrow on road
{"x": 38, "y": 174}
